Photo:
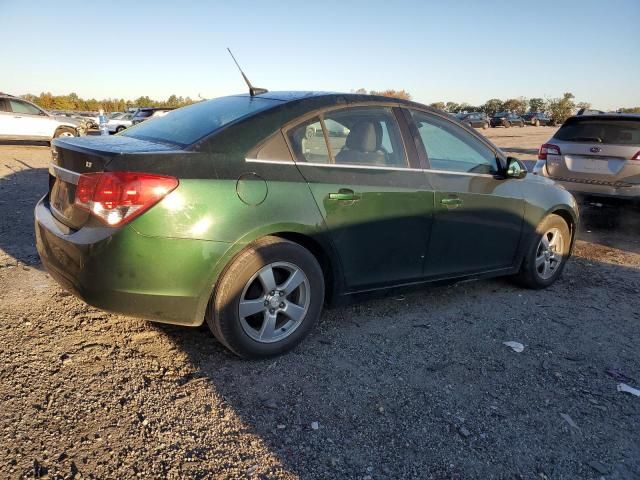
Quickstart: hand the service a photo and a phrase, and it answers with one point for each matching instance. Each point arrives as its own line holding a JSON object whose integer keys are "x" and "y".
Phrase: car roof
{"x": 606, "y": 116}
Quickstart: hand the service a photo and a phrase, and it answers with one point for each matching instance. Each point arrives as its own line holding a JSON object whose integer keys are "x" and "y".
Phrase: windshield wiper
{"x": 585, "y": 139}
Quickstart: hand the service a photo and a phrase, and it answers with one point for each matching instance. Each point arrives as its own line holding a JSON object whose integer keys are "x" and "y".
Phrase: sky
{"x": 462, "y": 51}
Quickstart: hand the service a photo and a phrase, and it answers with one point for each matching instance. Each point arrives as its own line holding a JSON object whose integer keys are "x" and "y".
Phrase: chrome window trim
{"x": 64, "y": 174}
{"x": 369, "y": 167}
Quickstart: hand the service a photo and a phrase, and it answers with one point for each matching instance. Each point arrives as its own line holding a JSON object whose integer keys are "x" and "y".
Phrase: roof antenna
{"x": 253, "y": 91}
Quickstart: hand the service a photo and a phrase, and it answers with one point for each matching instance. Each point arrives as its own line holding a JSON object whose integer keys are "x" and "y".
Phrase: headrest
{"x": 363, "y": 137}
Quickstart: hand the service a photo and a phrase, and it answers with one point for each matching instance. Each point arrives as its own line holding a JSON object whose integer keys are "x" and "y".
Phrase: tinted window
{"x": 186, "y": 125}
{"x": 451, "y": 148}
{"x": 4, "y": 105}
{"x": 23, "y": 107}
{"x": 365, "y": 136}
{"x": 619, "y": 132}
{"x": 307, "y": 142}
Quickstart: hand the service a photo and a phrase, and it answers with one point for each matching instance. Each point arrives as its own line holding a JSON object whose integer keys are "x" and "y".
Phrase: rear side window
{"x": 187, "y": 125}
{"x": 617, "y": 132}
{"x": 307, "y": 142}
{"x": 451, "y": 148}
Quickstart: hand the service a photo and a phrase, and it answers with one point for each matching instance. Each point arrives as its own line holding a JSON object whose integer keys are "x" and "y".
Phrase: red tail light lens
{"x": 636, "y": 156}
{"x": 548, "y": 149}
{"x": 116, "y": 198}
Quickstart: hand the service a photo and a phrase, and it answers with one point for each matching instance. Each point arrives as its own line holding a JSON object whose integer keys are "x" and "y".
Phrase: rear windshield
{"x": 187, "y": 125}
{"x": 143, "y": 113}
{"x": 618, "y": 132}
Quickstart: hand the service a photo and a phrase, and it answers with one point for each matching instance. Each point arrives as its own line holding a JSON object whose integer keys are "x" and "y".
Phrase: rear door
{"x": 596, "y": 150}
{"x": 376, "y": 203}
{"x": 6, "y": 119}
{"x": 478, "y": 216}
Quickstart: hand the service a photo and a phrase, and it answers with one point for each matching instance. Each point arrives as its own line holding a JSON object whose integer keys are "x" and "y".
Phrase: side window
{"x": 4, "y": 106}
{"x": 365, "y": 136}
{"x": 23, "y": 107}
{"x": 451, "y": 148}
{"x": 307, "y": 142}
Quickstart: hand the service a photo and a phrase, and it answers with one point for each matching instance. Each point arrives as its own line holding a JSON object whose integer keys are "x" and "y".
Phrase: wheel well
{"x": 318, "y": 251}
{"x": 567, "y": 217}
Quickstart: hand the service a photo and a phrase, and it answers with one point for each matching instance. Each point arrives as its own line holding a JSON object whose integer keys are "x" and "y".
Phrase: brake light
{"x": 116, "y": 198}
{"x": 636, "y": 156}
{"x": 548, "y": 149}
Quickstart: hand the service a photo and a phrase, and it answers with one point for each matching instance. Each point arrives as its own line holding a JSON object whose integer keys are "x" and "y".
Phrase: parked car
{"x": 474, "y": 119}
{"x": 23, "y": 120}
{"x": 225, "y": 212}
{"x": 506, "y": 119}
{"x": 595, "y": 155}
{"x": 537, "y": 118}
{"x": 146, "y": 113}
{"x": 119, "y": 122}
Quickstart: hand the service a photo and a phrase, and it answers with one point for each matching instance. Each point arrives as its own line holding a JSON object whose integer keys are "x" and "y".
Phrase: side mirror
{"x": 515, "y": 168}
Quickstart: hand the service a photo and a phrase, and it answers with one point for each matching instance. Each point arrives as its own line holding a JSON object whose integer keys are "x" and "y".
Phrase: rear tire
{"x": 547, "y": 255}
{"x": 537, "y": 123}
{"x": 65, "y": 132}
{"x": 507, "y": 125}
{"x": 485, "y": 126}
{"x": 120, "y": 128}
{"x": 268, "y": 299}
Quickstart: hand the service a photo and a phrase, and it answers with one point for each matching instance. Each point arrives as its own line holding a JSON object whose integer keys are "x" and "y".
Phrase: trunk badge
{"x": 595, "y": 149}
{"x": 89, "y": 164}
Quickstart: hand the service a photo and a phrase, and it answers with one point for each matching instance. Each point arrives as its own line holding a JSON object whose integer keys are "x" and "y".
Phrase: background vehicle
{"x": 474, "y": 119}
{"x": 258, "y": 225}
{"x": 119, "y": 122}
{"x": 506, "y": 119}
{"x": 23, "y": 120}
{"x": 537, "y": 118}
{"x": 146, "y": 113}
{"x": 595, "y": 155}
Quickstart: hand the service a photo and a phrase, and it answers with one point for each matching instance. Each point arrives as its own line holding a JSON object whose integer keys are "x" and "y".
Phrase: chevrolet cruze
{"x": 229, "y": 212}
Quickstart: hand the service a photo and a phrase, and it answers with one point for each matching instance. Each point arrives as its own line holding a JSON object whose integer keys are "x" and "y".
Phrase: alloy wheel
{"x": 274, "y": 302}
{"x": 549, "y": 253}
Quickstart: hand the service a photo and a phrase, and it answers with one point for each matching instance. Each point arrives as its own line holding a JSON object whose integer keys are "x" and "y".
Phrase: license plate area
{"x": 593, "y": 164}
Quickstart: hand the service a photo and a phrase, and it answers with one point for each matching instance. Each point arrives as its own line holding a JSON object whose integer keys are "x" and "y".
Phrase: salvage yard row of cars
{"x": 189, "y": 218}
{"x": 503, "y": 119}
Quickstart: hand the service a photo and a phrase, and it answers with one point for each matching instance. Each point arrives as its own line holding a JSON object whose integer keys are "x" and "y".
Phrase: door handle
{"x": 451, "y": 202}
{"x": 344, "y": 194}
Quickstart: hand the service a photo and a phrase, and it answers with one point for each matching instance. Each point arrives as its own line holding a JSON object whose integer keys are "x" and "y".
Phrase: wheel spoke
{"x": 294, "y": 312}
{"x": 267, "y": 280}
{"x": 545, "y": 270}
{"x": 539, "y": 261}
{"x": 545, "y": 241}
{"x": 293, "y": 282}
{"x": 268, "y": 326}
{"x": 251, "y": 307}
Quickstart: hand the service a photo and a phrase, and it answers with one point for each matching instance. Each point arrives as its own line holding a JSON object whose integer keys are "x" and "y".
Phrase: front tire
{"x": 507, "y": 125}
{"x": 546, "y": 257}
{"x": 537, "y": 124}
{"x": 65, "y": 132}
{"x": 120, "y": 129}
{"x": 268, "y": 299}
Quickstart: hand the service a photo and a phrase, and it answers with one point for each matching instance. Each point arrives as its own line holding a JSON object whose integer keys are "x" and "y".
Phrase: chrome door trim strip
{"x": 64, "y": 174}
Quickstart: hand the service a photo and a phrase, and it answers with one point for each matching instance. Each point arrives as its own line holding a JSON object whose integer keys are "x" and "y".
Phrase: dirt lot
{"x": 407, "y": 386}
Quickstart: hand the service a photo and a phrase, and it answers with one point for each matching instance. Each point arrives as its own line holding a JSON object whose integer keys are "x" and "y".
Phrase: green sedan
{"x": 249, "y": 213}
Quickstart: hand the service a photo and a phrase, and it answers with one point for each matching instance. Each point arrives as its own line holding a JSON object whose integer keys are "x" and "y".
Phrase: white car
{"x": 119, "y": 122}
{"x": 23, "y": 120}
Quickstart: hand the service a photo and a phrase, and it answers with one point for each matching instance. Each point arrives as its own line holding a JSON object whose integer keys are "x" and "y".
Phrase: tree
{"x": 536, "y": 104}
{"x": 437, "y": 105}
{"x": 452, "y": 107}
{"x": 403, "y": 94}
{"x": 491, "y": 107}
{"x": 630, "y": 110}
{"x": 561, "y": 108}
{"x": 516, "y": 105}
{"x": 585, "y": 105}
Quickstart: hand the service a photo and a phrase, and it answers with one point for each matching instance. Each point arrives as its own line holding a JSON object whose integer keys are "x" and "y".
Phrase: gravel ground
{"x": 418, "y": 385}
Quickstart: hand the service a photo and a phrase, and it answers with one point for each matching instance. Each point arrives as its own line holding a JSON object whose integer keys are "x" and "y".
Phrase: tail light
{"x": 636, "y": 156}
{"x": 116, "y": 198}
{"x": 548, "y": 149}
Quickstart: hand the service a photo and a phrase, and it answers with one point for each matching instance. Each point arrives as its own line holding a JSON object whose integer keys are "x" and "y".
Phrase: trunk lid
{"x": 73, "y": 156}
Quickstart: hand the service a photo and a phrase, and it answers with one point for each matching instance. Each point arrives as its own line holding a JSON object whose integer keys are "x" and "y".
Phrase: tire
{"x": 246, "y": 281}
{"x": 485, "y": 126}
{"x": 530, "y": 275}
{"x": 521, "y": 124}
{"x": 537, "y": 123}
{"x": 507, "y": 125}
{"x": 120, "y": 128}
{"x": 65, "y": 132}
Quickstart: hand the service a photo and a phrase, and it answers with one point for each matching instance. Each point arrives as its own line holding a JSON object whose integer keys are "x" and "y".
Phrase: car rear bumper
{"x": 590, "y": 187}
{"x": 161, "y": 279}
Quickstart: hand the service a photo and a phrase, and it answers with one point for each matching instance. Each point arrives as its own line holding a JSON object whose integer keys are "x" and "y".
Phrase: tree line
{"x": 73, "y": 102}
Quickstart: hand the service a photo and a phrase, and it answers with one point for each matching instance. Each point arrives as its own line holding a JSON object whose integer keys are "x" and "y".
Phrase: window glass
{"x": 23, "y": 107}
{"x": 451, "y": 148}
{"x": 4, "y": 106}
{"x": 365, "y": 136}
{"x": 187, "y": 125}
{"x": 307, "y": 142}
{"x": 590, "y": 130}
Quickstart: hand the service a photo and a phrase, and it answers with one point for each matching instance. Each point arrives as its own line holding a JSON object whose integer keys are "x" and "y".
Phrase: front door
{"x": 29, "y": 121}
{"x": 376, "y": 207}
{"x": 478, "y": 216}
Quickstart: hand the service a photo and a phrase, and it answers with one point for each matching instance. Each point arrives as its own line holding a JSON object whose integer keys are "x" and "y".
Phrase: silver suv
{"x": 23, "y": 120}
{"x": 595, "y": 155}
